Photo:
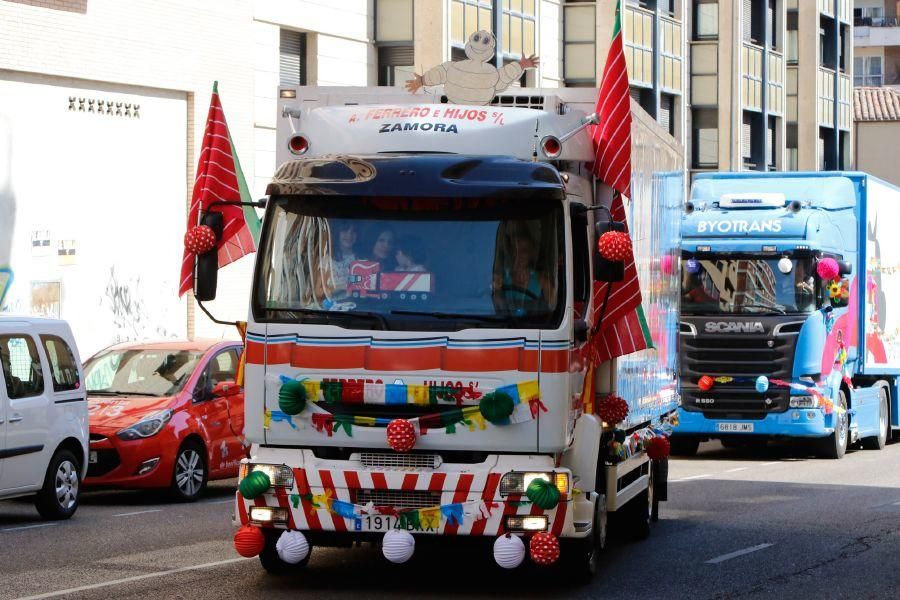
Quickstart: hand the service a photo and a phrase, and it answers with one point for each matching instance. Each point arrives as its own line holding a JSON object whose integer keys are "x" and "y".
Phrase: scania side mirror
{"x": 607, "y": 270}
{"x": 206, "y": 276}
{"x": 845, "y": 267}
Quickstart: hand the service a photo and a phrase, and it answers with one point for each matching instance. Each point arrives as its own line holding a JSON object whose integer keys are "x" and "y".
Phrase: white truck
{"x": 417, "y": 342}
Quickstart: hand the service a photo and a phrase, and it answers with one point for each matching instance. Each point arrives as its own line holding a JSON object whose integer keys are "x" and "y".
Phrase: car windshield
{"x": 412, "y": 263}
{"x": 743, "y": 285}
{"x": 155, "y": 372}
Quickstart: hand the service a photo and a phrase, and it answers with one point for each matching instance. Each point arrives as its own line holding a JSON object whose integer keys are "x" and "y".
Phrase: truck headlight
{"x": 269, "y": 514}
{"x": 281, "y": 476}
{"x": 146, "y": 427}
{"x": 804, "y": 402}
{"x": 516, "y": 482}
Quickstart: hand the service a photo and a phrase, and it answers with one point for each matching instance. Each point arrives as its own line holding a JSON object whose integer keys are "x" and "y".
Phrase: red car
{"x": 165, "y": 415}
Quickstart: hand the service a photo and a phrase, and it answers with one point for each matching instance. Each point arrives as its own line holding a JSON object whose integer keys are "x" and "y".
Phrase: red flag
{"x": 219, "y": 177}
{"x": 622, "y": 328}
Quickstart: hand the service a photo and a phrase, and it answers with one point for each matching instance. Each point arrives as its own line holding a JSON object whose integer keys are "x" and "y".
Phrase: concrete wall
{"x": 872, "y": 138}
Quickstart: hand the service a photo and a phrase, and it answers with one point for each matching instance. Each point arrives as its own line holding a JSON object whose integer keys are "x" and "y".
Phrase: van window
{"x": 62, "y": 364}
{"x": 21, "y": 366}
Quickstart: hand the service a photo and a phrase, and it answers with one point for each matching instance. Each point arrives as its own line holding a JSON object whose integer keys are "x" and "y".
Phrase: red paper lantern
{"x": 706, "y": 383}
{"x": 615, "y": 246}
{"x": 612, "y": 409}
{"x": 249, "y": 541}
{"x": 200, "y": 239}
{"x": 401, "y": 435}
{"x": 658, "y": 448}
{"x": 544, "y": 548}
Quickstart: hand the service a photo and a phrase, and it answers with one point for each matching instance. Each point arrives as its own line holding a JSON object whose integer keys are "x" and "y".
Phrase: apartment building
{"x": 876, "y": 41}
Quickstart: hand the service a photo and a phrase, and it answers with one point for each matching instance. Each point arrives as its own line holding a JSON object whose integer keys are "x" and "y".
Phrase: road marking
{"x": 769, "y": 464}
{"x": 28, "y": 527}
{"x": 229, "y": 501}
{"x": 691, "y": 477}
{"x": 897, "y": 503}
{"x": 735, "y": 554}
{"x": 138, "y": 512}
{"x": 736, "y": 470}
{"x": 95, "y": 586}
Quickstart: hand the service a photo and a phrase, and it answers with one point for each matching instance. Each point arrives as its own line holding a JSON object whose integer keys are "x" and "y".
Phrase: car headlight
{"x": 146, "y": 427}
{"x": 517, "y": 482}
{"x": 281, "y": 476}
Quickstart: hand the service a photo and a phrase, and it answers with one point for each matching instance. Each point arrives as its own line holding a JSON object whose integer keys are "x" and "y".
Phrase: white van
{"x": 43, "y": 414}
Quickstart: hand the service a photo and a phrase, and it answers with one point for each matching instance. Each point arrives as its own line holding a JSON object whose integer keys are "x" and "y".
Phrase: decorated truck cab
{"x": 424, "y": 348}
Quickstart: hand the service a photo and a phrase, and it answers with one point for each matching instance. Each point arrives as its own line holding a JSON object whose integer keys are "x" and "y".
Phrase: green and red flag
{"x": 622, "y": 326}
{"x": 219, "y": 178}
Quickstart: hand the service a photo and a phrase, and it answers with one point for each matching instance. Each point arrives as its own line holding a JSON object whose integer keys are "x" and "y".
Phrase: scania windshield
{"x": 748, "y": 285}
{"x": 412, "y": 263}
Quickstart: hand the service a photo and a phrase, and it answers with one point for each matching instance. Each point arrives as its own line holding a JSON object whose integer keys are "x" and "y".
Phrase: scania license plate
{"x": 735, "y": 427}
{"x": 92, "y": 457}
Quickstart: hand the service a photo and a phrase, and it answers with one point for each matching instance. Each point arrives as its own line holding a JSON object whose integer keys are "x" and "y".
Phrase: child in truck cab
{"x": 410, "y": 255}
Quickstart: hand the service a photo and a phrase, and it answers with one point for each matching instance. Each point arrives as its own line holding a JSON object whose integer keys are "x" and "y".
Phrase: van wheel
{"x": 835, "y": 445}
{"x": 270, "y": 560}
{"x": 877, "y": 442}
{"x": 189, "y": 475}
{"x": 58, "y": 498}
{"x": 684, "y": 445}
{"x": 583, "y": 560}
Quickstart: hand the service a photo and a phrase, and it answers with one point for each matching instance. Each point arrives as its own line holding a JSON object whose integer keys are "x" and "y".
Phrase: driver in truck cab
{"x": 520, "y": 285}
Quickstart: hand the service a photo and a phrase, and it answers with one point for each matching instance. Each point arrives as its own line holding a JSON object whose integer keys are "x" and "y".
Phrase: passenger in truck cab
{"x": 383, "y": 250}
{"x": 343, "y": 253}
{"x": 410, "y": 255}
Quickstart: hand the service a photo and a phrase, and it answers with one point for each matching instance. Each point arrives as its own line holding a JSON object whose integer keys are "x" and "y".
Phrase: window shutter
{"x": 395, "y": 56}
{"x": 746, "y": 146}
{"x": 666, "y": 107}
{"x": 292, "y": 58}
{"x": 747, "y": 19}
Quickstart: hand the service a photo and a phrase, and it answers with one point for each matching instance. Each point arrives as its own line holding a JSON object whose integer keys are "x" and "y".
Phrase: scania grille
{"x": 399, "y": 498}
{"x": 744, "y": 356}
{"x": 731, "y": 402}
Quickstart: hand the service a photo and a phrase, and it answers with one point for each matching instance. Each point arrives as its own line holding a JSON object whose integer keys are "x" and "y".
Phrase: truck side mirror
{"x": 845, "y": 267}
{"x": 604, "y": 269}
{"x": 207, "y": 271}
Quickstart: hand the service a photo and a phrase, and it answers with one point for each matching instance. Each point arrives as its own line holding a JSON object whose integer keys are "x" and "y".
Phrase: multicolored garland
{"x": 625, "y": 445}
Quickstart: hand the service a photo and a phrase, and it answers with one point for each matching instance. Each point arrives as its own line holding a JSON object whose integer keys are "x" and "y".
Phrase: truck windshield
{"x": 732, "y": 285}
{"x": 412, "y": 263}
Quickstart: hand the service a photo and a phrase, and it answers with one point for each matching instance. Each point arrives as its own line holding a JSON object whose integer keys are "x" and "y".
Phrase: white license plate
{"x": 382, "y": 523}
{"x": 735, "y": 427}
{"x": 92, "y": 457}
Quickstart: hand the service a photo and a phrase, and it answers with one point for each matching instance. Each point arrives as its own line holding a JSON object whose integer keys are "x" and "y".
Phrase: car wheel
{"x": 189, "y": 475}
{"x": 878, "y": 442}
{"x": 58, "y": 498}
{"x": 835, "y": 445}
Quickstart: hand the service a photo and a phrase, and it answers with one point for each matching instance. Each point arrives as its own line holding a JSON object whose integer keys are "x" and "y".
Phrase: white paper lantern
{"x": 292, "y": 547}
{"x": 509, "y": 551}
{"x": 398, "y": 546}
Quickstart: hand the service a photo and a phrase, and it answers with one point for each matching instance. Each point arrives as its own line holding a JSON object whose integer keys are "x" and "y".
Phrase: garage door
{"x": 98, "y": 175}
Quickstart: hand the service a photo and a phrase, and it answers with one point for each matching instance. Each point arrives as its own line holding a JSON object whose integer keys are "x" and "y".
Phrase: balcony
{"x": 875, "y": 22}
{"x": 880, "y": 31}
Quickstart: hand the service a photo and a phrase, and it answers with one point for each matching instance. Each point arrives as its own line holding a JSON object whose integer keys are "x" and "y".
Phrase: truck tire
{"x": 58, "y": 498}
{"x": 682, "y": 445}
{"x": 189, "y": 475}
{"x": 878, "y": 442}
{"x": 582, "y": 559}
{"x": 270, "y": 560}
{"x": 834, "y": 446}
{"x": 637, "y": 515}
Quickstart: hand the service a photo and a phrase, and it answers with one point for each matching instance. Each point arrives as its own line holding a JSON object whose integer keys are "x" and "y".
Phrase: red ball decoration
{"x": 828, "y": 269}
{"x": 249, "y": 541}
{"x": 200, "y": 239}
{"x": 615, "y": 246}
{"x": 706, "y": 383}
{"x": 401, "y": 435}
{"x": 612, "y": 409}
{"x": 544, "y": 548}
{"x": 658, "y": 447}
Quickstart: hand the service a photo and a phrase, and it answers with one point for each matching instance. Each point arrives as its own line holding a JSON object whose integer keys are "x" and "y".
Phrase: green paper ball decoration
{"x": 292, "y": 397}
{"x": 496, "y": 407}
{"x": 543, "y": 494}
{"x": 254, "y": 485}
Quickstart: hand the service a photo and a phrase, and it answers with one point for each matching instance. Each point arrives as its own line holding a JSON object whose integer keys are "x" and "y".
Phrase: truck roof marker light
{"x": 298, "y": 144}
{"x": 688, "y": 207}
{"x": 551, "y": 146}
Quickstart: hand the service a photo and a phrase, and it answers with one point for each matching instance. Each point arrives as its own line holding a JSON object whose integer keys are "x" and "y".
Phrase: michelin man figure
{"x": 473, "y": 80}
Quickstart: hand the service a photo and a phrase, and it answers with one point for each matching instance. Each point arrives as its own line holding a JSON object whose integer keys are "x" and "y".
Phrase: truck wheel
{"x": 270, "y": 560}
{"x": 638, "y": 514}
{"x": 583, "y": 560}
{"x": 834, "y": 446}
{"x": 189, "y": 475}
{"x": 877, "y": 442}
{"x": 684, "y": 445}
{"x": 58, "y": 498}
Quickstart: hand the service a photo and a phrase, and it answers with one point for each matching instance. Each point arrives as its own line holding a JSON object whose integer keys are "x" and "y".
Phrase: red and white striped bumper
{"x": 453, "y": 488}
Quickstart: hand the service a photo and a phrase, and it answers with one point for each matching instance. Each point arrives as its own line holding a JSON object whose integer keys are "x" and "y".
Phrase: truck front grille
{"x": 399, "y": 498}
{"x": 735, "y": 402}
{"x": 400, "y": 461}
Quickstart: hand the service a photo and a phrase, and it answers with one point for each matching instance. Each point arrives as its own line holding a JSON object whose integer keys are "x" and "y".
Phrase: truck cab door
{"x": 28, "y": 415}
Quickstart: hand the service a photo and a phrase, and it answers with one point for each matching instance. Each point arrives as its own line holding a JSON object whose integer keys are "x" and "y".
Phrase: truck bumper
{"x": 795, "y": 422}
{"x": 470, "y": 492}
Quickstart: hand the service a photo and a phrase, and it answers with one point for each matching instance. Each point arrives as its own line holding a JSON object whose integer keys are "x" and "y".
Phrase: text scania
{"x": 770, "y": 226}
{"x": 726, "y": 327}
{"x": 426, "y": 126}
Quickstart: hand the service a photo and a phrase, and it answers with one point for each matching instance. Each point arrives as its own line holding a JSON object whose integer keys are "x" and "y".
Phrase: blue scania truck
{"x": 787, "y": 329}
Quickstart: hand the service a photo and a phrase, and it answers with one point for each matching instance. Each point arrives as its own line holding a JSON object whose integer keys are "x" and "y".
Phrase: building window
{"x": 394, "y": 40}
{"x": 868, "y": 71}
{"x": 518, "y": 28}
{"x": 638, "y": 37}
{"x": 469, "y": 16}
{"x": 579, "y": 47}
{"x": 793, "y": 48}
{"x": 670, "y": 63}
{"x": 791, "y": 147}
{"x": 705, "y": 124}
{"x": 395, "y": 65}
{"x": 292, "y": 58}
{"x": 517, "y": 36}
{"x": 706, "y": 20}
{"x": 666, "y": 115}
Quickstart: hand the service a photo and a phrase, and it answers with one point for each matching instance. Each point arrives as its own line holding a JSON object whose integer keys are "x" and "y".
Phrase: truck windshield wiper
{"x": 327, "y": 314}
{"x": 771, "y": 307}
{"x": 445, "y": 315}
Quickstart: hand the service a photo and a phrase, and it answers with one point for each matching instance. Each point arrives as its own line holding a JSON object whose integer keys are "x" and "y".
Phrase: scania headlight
{"x": 146, "y": 427}
{"x": 281, "y": 476}
{"x": 517, "y": 482}
{"x": 804, "y": 402}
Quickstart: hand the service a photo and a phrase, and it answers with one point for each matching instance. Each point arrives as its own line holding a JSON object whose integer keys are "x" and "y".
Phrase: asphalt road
{"x": 769, "y": 523}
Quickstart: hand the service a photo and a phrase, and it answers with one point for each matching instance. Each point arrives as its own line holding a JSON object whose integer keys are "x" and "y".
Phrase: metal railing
{"x": 875, "y": 22}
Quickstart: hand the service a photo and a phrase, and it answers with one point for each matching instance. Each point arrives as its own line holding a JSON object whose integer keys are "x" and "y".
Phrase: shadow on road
{"x": 755, "y": 450}
{"x": 216, "y": 490}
